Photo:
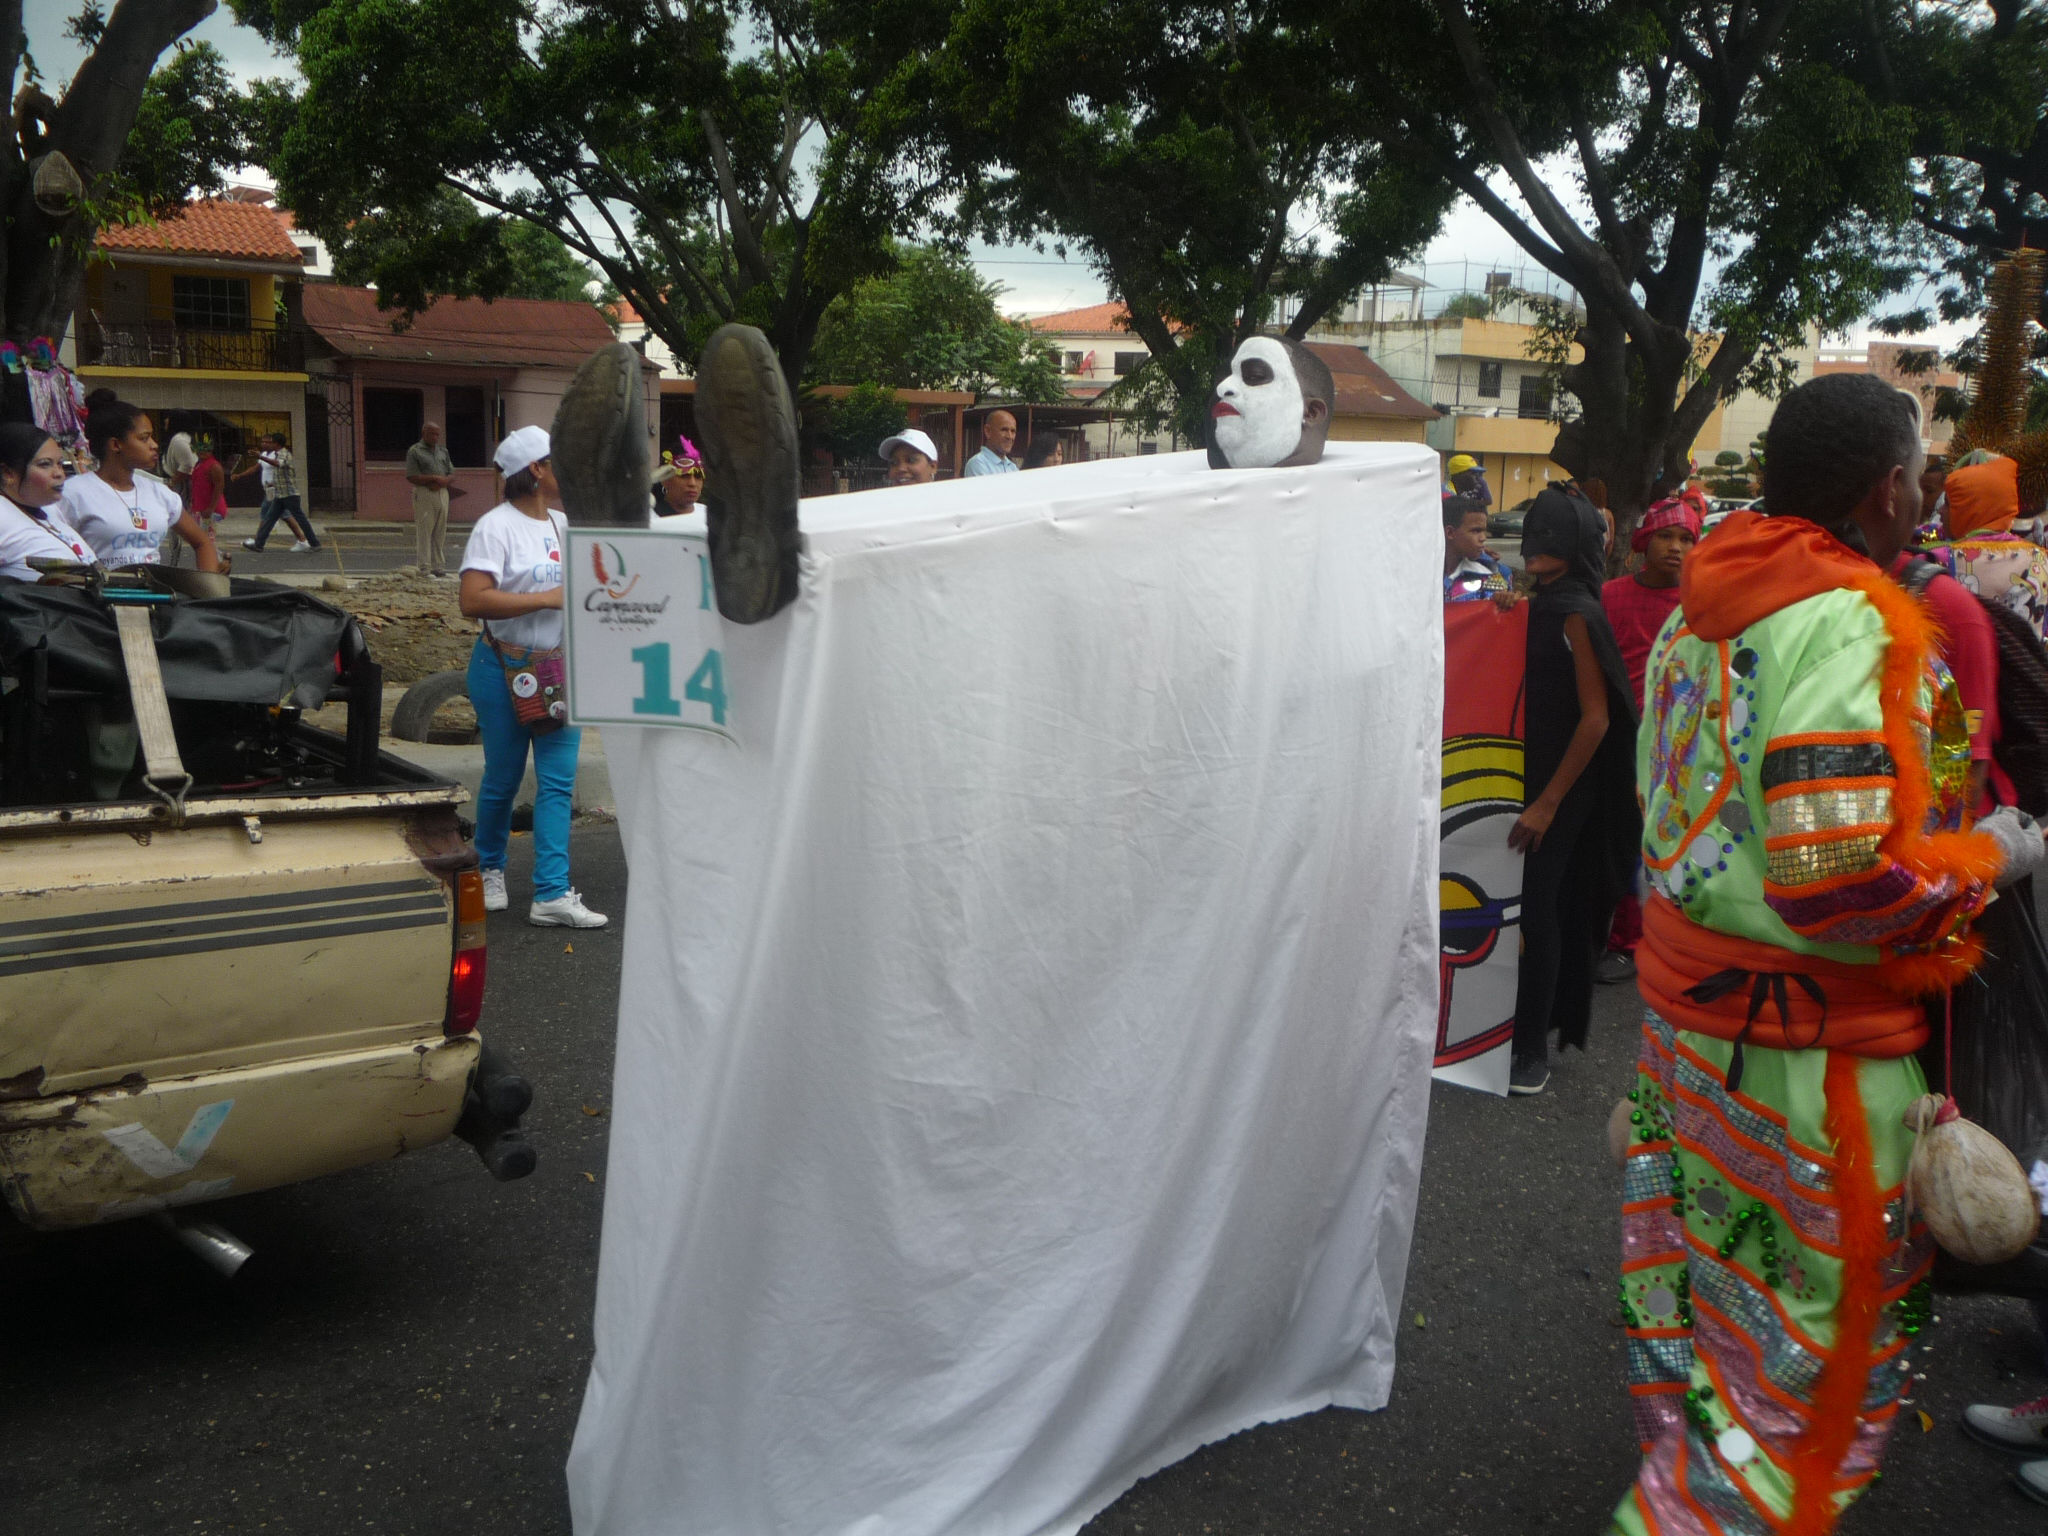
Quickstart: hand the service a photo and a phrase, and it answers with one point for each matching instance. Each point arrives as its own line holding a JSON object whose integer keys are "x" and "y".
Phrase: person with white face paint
{"x": 1272, "y": 408}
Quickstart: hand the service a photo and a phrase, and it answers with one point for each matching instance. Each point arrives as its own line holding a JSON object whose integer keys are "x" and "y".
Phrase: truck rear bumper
{"x": 106, "y": 1153}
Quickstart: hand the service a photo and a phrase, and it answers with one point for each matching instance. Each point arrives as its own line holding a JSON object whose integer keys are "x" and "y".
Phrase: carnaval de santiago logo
{"x": 612, "y": 600}
{"x": 608, "y": 565}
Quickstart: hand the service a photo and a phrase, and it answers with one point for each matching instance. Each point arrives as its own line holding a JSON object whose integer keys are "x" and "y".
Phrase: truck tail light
{"x": 466, "y": 973}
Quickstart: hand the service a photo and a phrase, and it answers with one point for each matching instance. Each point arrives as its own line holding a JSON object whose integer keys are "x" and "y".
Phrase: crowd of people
{"x": 1764, "y": 774}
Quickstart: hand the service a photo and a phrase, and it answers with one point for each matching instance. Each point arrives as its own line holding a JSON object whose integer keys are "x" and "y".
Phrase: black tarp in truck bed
{"x": 260, "y": 645}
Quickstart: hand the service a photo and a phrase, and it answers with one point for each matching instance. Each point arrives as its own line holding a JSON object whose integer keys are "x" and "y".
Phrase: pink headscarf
{"x": 1671, "y": 512}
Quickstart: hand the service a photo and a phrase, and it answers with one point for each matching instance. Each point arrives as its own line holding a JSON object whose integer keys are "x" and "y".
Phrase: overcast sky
{"x": 1036, "y": 282}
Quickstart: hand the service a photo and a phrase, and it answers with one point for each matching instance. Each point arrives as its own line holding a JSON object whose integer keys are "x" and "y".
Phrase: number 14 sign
{"x": 643, "y": 637}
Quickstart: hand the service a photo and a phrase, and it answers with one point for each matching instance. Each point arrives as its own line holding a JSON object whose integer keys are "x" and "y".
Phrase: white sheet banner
{"x": 1027, "y": 1010}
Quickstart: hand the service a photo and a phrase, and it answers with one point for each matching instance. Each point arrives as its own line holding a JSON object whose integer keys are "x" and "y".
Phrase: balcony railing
{"x": 163, "y": 344}
{"x": 1469, "y": 404}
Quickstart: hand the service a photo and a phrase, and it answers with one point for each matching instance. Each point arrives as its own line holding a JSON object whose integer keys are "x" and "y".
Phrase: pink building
{"x": 480, "y": 368}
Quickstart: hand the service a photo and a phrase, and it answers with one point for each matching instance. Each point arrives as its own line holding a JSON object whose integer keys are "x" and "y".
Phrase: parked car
{"x": 246, "y": 954}
{"x": 1508, "y": 524}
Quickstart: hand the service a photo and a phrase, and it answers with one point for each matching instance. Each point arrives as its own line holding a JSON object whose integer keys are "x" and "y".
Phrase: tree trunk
{"x": 46, "y": 255}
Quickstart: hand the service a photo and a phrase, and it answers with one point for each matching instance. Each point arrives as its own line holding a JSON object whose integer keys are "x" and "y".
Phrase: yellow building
{"x": 1494, "y": 397}
{"x": 190, "y": 318}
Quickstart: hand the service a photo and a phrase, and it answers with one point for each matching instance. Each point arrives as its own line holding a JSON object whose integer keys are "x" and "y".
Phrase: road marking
{"x": 142, "y": 1148}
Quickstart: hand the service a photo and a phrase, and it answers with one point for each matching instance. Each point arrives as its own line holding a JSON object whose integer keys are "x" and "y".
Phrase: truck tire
{"x": 423, "y": 700}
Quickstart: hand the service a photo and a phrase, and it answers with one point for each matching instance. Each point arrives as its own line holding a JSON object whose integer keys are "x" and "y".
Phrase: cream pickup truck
{"x": 235, "y": 951}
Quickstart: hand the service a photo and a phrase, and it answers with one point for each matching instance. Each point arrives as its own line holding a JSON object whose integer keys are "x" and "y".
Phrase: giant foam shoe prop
{"x": 1028, "y": 992}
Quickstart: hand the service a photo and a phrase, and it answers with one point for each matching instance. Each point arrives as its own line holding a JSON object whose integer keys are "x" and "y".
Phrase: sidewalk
{"x": 465, "y": 765}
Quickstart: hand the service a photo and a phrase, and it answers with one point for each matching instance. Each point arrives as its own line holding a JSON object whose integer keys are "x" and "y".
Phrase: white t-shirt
{"x": 53, "y": 539}
{"x": 520, "y": 554}
{"x": 178, "y": 455}
{"x": 123, "y": 528}
{"x": 692, "y": 521}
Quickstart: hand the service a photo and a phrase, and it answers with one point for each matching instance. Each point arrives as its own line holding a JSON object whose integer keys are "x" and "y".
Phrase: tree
{"x": 60, "y": 176}
{"x": 1742, "y": 181}
{"x": 1199, "y": 155}
{"x": 542, "y": 266}
{"x": 856, "y": 424}
{"x": 1980, "y": 75}
{"x": 715, "y": 161}
{"x": 191, "y": 129}
{"x": 932, "y": 323}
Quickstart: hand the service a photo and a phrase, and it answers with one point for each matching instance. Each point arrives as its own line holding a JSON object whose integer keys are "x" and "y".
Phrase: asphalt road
{"x": 412, "y": 1353}
{"x": 347, "y": 548}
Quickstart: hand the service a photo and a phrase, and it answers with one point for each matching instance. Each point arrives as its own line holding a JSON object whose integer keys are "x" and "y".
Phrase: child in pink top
{"x": 1637, "y": 606}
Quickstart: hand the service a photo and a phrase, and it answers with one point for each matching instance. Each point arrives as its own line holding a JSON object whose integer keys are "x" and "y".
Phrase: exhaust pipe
{"x": 215, "y": 1246}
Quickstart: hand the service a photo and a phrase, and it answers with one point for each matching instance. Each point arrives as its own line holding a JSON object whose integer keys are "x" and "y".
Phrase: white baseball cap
{"x": 526, "y": 447}
{"x": 910, "y": 437}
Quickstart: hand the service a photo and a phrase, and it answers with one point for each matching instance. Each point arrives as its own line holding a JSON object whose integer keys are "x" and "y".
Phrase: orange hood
{"x": 1752, "y": 566}
{"x": 1982, "y": 498}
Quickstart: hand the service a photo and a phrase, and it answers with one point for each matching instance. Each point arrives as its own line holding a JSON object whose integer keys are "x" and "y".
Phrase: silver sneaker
{"x": 2024, "y": 1428}
{"x": 565, "y": 911}
{"x": 495, "y": 899}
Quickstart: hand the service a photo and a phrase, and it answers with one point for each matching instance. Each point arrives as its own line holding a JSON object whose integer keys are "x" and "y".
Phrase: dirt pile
{"x": 413, "y": 624}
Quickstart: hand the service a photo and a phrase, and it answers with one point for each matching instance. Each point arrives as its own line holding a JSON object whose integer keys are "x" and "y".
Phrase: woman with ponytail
{"x": 122, "y": 510}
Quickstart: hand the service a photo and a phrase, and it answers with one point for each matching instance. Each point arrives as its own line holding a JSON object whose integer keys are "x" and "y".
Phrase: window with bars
{"x": 391, "y": 423}
{"x": 210, "y": 303}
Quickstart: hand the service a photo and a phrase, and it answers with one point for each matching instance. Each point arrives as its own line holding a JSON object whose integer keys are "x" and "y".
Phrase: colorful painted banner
{"x": 1480, "y": 886}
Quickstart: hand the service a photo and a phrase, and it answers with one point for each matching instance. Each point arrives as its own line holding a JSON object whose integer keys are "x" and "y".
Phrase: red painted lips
{"x": 1223, "y": 408}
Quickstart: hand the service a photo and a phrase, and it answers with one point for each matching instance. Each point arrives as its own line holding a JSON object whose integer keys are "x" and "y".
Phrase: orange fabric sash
{"x": 1861, "y": 1016}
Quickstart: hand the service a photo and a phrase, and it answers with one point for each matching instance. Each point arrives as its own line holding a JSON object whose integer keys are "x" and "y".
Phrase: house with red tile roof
{"x": 189, "y": 317}
{"x": 479, "y": 368}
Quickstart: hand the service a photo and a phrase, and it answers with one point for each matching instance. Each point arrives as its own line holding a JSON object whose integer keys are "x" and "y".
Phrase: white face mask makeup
{"x": 1256, "y": 417}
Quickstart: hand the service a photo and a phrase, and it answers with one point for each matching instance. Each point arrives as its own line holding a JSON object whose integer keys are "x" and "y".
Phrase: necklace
{"x": 42, "y": 522}
{"x": 136, "y": 518}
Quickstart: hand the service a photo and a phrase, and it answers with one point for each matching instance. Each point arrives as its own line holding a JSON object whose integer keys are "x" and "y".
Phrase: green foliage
{"x": 1977, "y": 78}
{"x": 542, "y": 266}
{"x": 1199, "y": 155}
{"x": 1728, "y": 458}
{"x": 932, "y": 323}
{"x": 1468, "y": 306}
{"x": 716, "y": 161}
{"x": 1696, "y": 172}
{"x": 191, "y": 130}
{"x": 857, "y": 423}
{"x": 504, "y": 258}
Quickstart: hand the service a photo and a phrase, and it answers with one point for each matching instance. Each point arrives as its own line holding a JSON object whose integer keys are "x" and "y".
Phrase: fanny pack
{"x": 537, "y": 684}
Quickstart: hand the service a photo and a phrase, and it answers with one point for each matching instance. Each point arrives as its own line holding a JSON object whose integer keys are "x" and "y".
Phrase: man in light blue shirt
{"x": 998, "y": 437}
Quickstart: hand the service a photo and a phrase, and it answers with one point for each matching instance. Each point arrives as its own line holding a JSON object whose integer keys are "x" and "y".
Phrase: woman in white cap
{"x": 512, "y": 584}
{"x": 912, "y": 457}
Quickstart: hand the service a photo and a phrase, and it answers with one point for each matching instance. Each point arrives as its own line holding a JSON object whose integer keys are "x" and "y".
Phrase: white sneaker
{"x": 252, "y": 544}
{"x": 565, "y": 911}
{"x": 2024, "y": 1428}
{"x": 301, "y": 548}
{"x": 494, "y": 891}
{"x": 2032, "y": 1477}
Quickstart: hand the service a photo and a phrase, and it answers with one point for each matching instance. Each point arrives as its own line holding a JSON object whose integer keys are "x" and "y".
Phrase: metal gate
{"x": 330, "y": 443}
